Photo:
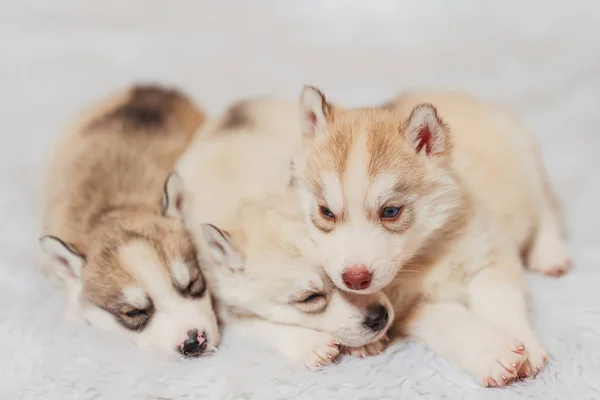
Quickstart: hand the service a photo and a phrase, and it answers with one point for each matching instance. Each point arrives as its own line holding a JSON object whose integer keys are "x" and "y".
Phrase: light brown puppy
{"x": 111, "y": 236}
{"x": 433, "y": 199}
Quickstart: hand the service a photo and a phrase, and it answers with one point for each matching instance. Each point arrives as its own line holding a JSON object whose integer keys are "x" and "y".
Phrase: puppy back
{"x": 115, "y": 153}
{"x": 147, "y": 110}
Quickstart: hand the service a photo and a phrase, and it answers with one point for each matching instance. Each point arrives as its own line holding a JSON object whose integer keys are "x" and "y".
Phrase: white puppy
{"x": 265, "y": 276}
{"x": 434, "y": 198}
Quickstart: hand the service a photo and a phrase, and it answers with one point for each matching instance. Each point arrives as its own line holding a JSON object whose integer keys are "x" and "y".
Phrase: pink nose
{"x": 357, "y": 277}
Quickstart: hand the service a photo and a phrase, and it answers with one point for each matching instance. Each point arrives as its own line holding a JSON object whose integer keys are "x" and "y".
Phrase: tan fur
{"x": 106, "y": 173}
{"x": 486, "y": 198}
{"x": 509, "y": 153}
{"x": 103, "y": 194}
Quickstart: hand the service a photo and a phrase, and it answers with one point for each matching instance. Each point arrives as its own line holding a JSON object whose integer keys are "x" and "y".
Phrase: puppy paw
{"x": 555, "y": 269}
{"x": 315, "y": 349}
{"x": 550, "y": 256}
{"x": 536, "y": 361}
{"x": 501, "y": 362}
{"x": 372, "y": 349}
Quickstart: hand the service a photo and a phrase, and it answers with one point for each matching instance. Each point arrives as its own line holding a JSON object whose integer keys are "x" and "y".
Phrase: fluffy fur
{"x": 436, "y": 196}
{"x": 111, "y": 236}
{"x": 265, "y": 274}
{"x": 60, "y": 55}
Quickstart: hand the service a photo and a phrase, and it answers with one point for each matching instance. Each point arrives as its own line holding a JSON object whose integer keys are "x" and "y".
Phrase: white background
{"x": 540, "y": 57}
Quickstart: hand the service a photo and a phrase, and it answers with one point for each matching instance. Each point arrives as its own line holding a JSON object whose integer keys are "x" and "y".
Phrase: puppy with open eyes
{"x": 265, "y": 276}
{"x": 439, "y": 199}
{"x": 111, "y": 237}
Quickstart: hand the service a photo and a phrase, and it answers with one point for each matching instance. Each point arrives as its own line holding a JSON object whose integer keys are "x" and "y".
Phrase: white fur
{"x": 220, "y": 248}
{"x": 61, "y": 263}
{"x": 172, "y": 195}
{"x": 380, "y": 190}
{"x": 173, "y": 315}
{"x": 136, "y": 296}
{"x": 333, "y": 193}
{"x": 312, "y": 107}
{"x": 306, "y": 347}
{"x": 230, "y": 184}
{"x": 271, "y": 279}
{"x": 541, "y": 62}
{"x": 347, "y": 243}
{"x": 181, "y": 272}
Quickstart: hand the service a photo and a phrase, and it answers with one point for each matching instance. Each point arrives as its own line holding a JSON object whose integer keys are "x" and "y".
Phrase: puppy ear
{"x": 316, "y": 113}
{"x": 222, "y": 249}
{"x": 172, "y": 200}
{"x": 66, "y": 262}
{"x": 426, "y": 131}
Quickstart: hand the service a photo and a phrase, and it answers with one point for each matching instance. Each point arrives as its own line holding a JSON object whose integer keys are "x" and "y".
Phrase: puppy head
{"x": 140, "y": 275}
{"x": 266, "y": 266}
{"x": 374, "y": 186}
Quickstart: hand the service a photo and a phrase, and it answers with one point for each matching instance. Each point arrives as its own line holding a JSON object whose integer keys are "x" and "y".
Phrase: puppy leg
{"x": 496, "y": 294}
{"x": 549, "y": 253}
{"x": 491, "y": 355}
{"x": 301, "y": 345}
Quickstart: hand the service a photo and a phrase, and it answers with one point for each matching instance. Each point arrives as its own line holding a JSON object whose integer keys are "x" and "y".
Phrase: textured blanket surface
{"x": 540, "y": 57}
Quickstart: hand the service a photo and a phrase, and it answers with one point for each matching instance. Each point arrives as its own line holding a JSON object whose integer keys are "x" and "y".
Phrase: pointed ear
{"x": 172, "y": 200}
{"x": 426, "y": 131}
{"x": 316, "y": 113}
{"x": 219, "y": 243}
{"x": 66, "y": 262}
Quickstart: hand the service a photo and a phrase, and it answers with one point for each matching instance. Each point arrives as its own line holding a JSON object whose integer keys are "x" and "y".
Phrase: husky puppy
{"x": 236, "y": 200}
{"x": 111, "y": 234}
{"x": 435, "y": 198}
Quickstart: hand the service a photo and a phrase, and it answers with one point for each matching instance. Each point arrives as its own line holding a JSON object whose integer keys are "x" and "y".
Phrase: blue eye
{"x": 326, "y": 212}
{"x": 390, "y": 212}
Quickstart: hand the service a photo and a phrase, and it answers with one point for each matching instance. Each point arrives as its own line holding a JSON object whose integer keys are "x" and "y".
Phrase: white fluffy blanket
{"x": 542, "y": 57}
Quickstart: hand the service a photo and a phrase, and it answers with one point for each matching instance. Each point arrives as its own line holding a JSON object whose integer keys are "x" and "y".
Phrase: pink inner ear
{"x": 179, "y": 203}
{"x": 424, "y": 139}
{"x": 312, "y": 117}
{"x": 64, "y": 262}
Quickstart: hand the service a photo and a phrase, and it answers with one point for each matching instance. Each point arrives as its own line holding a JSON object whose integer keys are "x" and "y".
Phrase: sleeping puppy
{"x": 236, "y": 200}
{"x": 111, "y": 238}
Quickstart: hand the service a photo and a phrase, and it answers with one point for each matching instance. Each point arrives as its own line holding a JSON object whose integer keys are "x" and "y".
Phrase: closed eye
{"x": 134, "y": 318}
{"x": 311, "y": 302}
{"x": 136, "y": 312}
{"x": 313, "y": 297}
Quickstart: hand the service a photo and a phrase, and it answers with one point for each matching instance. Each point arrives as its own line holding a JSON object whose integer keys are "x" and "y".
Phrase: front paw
{"x": 372, "y": 349}
{"x": 499, "y": 361}
{"x": 536, "y": 360}
{"x": 315, "y": 349}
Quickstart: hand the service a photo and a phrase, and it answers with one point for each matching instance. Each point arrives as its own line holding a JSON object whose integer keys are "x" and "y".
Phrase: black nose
{"x": 377, "y": 318}
{"x": 191, "y": 346}
{"x": 192, "y": 334}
